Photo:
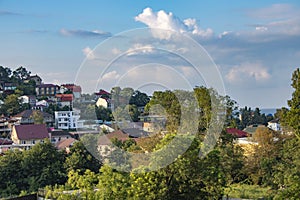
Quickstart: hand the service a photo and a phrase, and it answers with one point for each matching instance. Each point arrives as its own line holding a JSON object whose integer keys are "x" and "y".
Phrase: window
{"x": 33, "y": 141}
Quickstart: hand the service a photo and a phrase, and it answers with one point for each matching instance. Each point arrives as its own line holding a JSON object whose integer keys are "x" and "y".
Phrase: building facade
{"x": 66, "y": 120}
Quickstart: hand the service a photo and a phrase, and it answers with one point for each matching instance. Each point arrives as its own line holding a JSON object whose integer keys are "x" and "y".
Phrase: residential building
{"x": 5, "y": 145}
{"x": 64, "y": 99}
{"x": 103, "y": 94}
{"x": 102, "y": 102}
{"x": 4, "y": 126}
{"x": 59, "y": 135}
{"x": 135, "y": 132}
{"x": 105, "y": 146}
{"x": 47, "y": 90}
{"x": 65, "y": 144}
{"x": 274, "y": 125}
{"x": 29, "y": 134}
{"x": 68, "y": 120}
{"x": 28, "y": 99}
{"x": 252, "y": 128}
{"x": 75, "y": 89}
{"x": 35, "y": 78}
{"x": 27, "y": 117}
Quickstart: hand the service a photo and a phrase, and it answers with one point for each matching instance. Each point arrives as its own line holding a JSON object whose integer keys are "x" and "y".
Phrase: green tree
{"x": 20, "y": 74}
{"x": 30, "y": 170}
{"x": 42, "y": 165}
{"x": 27, "y": 88}
{"x": 139, "y": 98}
{"x": 266, "y": 154}
{"x": 287, "y": 175}
{"x": 5, "y": 73}
{"x": 80, "y": 159}
{"x": 171, "y": 105}
{"x": 104, "y": 114}
{"x": 113, "y": 184}
{"x": 293, "y": 115}
{"x": 11, "y": 174}
{"x": 38, "y": 117}
{"x": 188, "y": 177}
{"x": 12, "y": 105}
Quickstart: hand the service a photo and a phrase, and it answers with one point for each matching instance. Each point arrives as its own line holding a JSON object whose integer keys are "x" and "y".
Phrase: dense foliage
{"x": 40, "y": 166}
{"x": 269, "y": 168}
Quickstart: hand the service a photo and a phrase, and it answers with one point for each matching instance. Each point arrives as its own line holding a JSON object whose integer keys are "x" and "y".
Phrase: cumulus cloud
{"x": 248, "y": 72}
{"x": 168, "y": 21}
{"x": 85, "y": 33}
{"x": 110, "y": 76}
{"x": 88, "y": 52}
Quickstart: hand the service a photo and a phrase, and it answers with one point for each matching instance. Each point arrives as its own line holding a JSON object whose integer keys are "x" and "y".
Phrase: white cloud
{"x": 85, "y": 33}
{"x": 140, "y": 49}
{"x": 110, "y": 76}
{"x": 88, "y": 52}
{"x": 168, "y": 21}
{"x": 116, "y": 51}
{"x": 248, "y": 72}
{"x": 273, "y": 12}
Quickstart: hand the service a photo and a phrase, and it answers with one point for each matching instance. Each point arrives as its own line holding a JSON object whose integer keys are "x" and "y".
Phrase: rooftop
{"x": 31, "y": 131}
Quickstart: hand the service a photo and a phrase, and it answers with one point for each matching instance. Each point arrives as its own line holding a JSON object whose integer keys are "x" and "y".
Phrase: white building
{"x": 274, "y": 125}
{"x": 68, "y": 120}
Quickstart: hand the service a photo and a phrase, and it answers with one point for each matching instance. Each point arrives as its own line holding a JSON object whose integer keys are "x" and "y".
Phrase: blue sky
{"x": 255, "y": 44}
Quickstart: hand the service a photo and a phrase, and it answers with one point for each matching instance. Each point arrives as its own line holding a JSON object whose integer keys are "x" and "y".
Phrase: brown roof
{"x": 31, "y": 131}
{"x": 28, "y": 114}
{"x": 65, "y": 143}
{"x": 105, "y": 139}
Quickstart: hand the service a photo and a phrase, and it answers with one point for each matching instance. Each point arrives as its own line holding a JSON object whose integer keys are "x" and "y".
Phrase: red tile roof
{"x": 236, "y": 132}
{"x": 31, "y": 131}
{"x": 65, "y": 97}
{"x": 102, "y": 92}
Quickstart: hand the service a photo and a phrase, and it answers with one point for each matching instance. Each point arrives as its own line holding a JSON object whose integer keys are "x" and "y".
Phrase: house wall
{"x": 56, "y": 139}
{"x": 67, "y": 120}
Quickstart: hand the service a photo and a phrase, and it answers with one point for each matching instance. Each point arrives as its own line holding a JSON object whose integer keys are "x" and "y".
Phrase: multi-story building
{"x": 4, "y": 126}
{"x": 47, "y": 90}
{"x": 68, "y": 120}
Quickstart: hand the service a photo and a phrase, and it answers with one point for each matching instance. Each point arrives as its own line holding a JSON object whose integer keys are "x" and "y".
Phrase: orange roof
{"x": 65, "y": 97}
{"x": 65, "y": 143}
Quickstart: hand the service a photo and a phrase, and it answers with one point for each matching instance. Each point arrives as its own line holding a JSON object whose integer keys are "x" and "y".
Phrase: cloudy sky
{"x": 247, "y": 48}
